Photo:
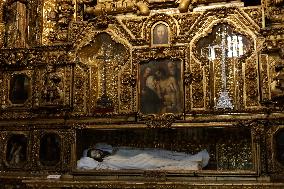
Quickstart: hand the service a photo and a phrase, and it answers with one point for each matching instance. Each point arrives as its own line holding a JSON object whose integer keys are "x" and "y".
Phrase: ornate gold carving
{"x": 49, "y": 20}
{"x": 159, "y": 121}
{"x": 107, "y": 56}
{"x": 265, "y": 76}
{"x": 197, "y": 88}
{"x": 118, "y": 7}
{"x": 255, "y": 14}
{"x": 186, "y": 23}
{"x": 235, "y": 67}
{"x": 251, "y": 83}
{"x": 135, "y": 26}
{"x": 80, "y": 85}
{"x": 80, "y": 89}
{"x": 35, "y": 184}
{"x": 274, "y": 11}
{"x": 63, "y": 16}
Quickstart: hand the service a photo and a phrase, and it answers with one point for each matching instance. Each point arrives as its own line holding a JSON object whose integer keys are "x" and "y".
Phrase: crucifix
{"x": 224, "y": 100}
{"x": 105, "y": 54}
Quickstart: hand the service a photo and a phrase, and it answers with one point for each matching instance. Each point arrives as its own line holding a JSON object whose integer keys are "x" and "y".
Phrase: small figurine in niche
{"x": 160, "y": 34}
{"x": 277, "y": 86}
{"x": 52, "y": 93}
{"x": 16, "y": 150}
{"x": 15, "y": 154}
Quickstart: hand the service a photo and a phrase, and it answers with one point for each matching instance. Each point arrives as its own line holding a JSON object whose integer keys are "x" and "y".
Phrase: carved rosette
{"x": 274, "y": 11}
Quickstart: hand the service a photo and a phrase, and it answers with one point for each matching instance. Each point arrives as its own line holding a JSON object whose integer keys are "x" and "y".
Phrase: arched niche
{"x": 50, "y": 149}
{"x": 105, "y": 57}
{"x": 224, "y": 74}
{"x": 19, "y": 88}
{"x": 16, "y": 150}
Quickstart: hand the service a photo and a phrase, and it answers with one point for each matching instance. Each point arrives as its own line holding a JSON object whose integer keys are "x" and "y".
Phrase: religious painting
{"x": 19, "y": 90}
{"x": 49, "y": 153}
{"x": 160, "y": 34}
{"x": 161, "y": 88}
{"x": 16, "y": 153}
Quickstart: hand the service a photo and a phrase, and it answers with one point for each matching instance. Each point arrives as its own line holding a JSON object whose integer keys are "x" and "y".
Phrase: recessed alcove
{"x": 227, "y": 152}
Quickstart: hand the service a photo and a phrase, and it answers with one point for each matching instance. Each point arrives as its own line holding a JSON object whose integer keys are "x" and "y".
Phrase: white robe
{"x": 147, "y": 159}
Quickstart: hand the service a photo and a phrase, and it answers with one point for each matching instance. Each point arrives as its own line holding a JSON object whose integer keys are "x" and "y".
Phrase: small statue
{"x": 52, "y": 93}
{"x": 15, "y": 155}
{"x": 277, "y": 86}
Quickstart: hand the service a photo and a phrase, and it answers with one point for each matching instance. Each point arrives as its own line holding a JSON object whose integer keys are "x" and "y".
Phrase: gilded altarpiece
{"x": 83, "y": 85}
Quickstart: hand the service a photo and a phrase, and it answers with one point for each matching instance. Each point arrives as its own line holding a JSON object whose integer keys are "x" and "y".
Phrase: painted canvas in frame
{"x": 161, "y": 88}
{"x": 160, "y": 34}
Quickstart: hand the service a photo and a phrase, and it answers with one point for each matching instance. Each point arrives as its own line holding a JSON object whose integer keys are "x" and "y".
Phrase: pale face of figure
{"x": 171, "y": 68}
{"x": 161, "y": 31}
{"x": 147, "y": 72}
{"x": 95, "y": 154}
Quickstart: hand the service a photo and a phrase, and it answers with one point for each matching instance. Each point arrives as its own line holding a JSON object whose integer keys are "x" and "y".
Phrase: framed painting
{"x": 160, "y": 34}
{"x": 161, "y": 88}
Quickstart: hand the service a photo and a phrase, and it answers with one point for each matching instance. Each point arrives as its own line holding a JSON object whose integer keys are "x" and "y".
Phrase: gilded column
{"x": 2, "y": 25}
